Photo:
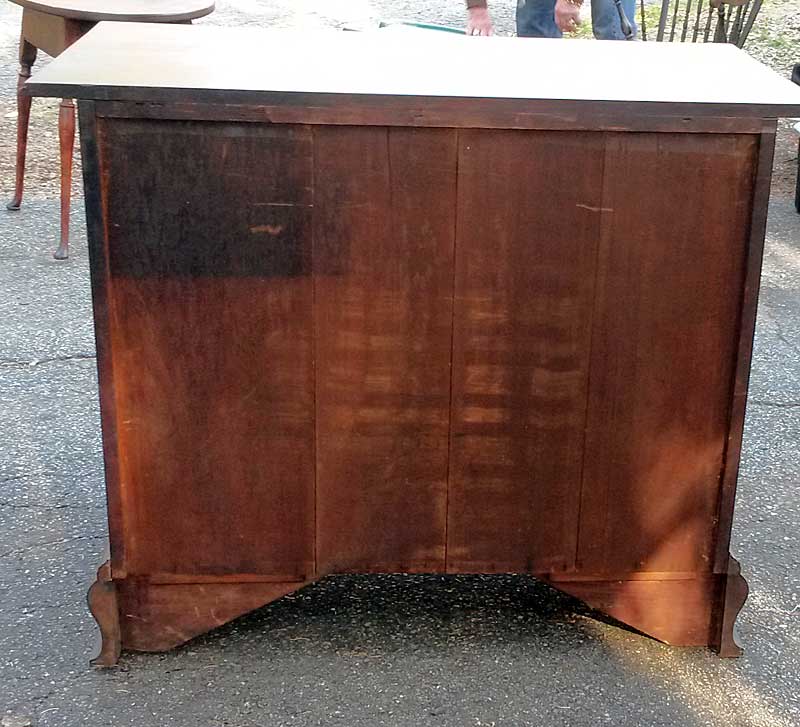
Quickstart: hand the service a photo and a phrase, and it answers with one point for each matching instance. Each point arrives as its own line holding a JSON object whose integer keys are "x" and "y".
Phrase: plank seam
{"x": 452, "y": 359}
{"x": 602, "y": 222}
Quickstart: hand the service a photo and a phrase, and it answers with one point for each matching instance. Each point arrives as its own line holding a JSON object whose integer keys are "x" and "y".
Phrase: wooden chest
{"x": 461, "y": 306}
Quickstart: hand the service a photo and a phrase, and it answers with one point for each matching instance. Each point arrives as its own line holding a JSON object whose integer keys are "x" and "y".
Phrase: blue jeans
{"x": 535, "y": 19}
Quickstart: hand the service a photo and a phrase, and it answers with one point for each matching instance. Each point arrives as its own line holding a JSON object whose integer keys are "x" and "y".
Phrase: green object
{"x": 423, "y": 26}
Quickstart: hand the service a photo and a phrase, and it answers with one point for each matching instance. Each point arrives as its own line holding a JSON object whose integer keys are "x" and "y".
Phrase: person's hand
{"x": 567, "y": 15}
{"x": 479, "y": 22}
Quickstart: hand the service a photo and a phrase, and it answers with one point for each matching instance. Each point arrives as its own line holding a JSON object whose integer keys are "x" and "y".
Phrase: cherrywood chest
{"x": 453, "y": 305}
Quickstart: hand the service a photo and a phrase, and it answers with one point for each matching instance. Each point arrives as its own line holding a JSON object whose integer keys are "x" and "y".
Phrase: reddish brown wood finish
{"x": 104, "y": 605}
{"x": 670, "y": 274}
{"x": 384, "y": 210}
{"x": 733, "y": 590}
{"x": 328, "y": 349}
{"x": 51, "y": 34}
{"x": 27, "y": 57}
{"x": 747, "y": 317}
{"x": 677, "y": 612}
{"x": 66, "y": 145}
{"x": 337, "y": 110}
{"x": 155, "y": 617}
{"x": 524, "y": 285}
{"x": 222, "y": 482}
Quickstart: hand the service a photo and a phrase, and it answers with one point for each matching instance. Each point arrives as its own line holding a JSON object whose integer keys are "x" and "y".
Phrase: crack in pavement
{"x": 42, "y": 506}
{"x": 46, "y": 543}
{"x": 775, "y": 318}
{"x": 55, "y": 359}
{"x": 778, "y": 404}
{"x": 37, "y": 701}
{"x": 780, "y": 334}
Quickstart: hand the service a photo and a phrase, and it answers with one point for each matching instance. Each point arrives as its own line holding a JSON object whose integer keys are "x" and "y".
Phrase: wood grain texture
{"x": 97, "y": 237}
{"x": 670, "y": 276}
{"x": 336, "y": 348}
{"x": 528, "y": 233}
{"x": 383, "y": 255}
{"x": 679, "y": 613}
{"x": 747, "y": 326}
{"x": 462, "y": 113}
{"x": 209, "y": 250}
{"x": 161, "y": 617}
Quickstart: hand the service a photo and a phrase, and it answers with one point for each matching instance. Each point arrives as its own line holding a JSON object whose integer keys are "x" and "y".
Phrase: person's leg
{"x": 605, "y": 19}
{"x": 536, "y": 19}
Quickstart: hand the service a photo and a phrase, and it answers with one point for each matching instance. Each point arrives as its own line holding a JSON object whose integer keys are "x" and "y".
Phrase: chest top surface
{"x": 164, "y": 63}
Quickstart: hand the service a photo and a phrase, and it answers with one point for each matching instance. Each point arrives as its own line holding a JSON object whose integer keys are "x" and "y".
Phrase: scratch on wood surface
{"x": 594, "y": 209}
{"x": 269, "y": 229}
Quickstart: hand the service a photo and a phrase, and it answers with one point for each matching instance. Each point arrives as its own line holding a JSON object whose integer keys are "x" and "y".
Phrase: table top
{"x": 164, "y": 63}
{"x": 146, "y": 11}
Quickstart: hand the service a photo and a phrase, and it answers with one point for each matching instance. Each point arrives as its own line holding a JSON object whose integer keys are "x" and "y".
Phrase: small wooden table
{"x": 53, "y": 26}
{"x": 414, "y": 311}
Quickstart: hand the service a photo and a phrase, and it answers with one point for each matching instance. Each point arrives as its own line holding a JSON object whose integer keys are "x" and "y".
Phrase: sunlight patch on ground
{"x": 707, "y": 693}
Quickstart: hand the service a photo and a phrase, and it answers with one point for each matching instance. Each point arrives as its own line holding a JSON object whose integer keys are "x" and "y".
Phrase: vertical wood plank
{"x": 528, "y": 230}
{"x": 671, "y": 272}
{"x": 749, "y": 309}
{"x": 93, "y": 173}
{"x": 209, "y": 255}
{"x": 383, "y": 257}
